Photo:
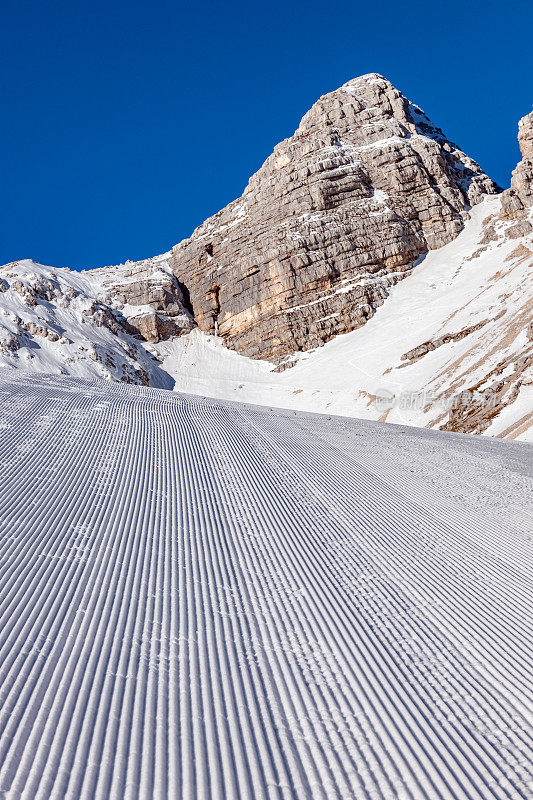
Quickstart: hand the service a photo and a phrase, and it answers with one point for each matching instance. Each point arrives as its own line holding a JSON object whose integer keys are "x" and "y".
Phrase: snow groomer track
{"x": 205, "y": 600}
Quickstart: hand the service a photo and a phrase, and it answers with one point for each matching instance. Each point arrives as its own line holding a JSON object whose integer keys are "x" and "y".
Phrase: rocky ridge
{"x": 60, "y": 321}
{"x": 336, "y": 215}
{"x": 508, "y": 369}
{"x": 451, "y": 348}
{"x": 519, "y": 197}
{"x": 365, "y": 189}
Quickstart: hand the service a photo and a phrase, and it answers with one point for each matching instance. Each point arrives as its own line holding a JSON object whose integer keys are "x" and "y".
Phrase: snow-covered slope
{"x": 451, "y": 347}
{"x": 461, "y": 322}
{"x": 212, "y": 601}
{"x": 65, "y": 322}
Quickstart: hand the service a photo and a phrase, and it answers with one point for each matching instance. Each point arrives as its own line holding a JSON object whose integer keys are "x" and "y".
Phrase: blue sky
{"x": 126, "y": 124}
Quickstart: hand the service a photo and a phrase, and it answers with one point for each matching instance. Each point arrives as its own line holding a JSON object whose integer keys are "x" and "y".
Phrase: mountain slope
{"x": 336, "y": 215}
{"x": 451, "y": 347}
{"x": 210, "y": 600}
{"x": 60, "y": 321}
{"x": 304, "y": 271}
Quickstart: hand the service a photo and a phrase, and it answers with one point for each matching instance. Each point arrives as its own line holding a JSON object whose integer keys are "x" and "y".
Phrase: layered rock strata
{"x": 337, "y": 214}
{"x": 149, "y": 297}
{"x": 518, "y": 199}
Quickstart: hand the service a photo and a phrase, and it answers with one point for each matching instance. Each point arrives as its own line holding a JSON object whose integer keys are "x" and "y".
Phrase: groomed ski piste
{"x": 206, "y": 600}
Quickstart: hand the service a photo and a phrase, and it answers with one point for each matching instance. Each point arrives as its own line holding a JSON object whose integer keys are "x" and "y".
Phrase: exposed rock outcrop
{"x": 480, "y": 405}
{"x": 39, "y": 306}
{"x": 519, "y": 198}
{"x": 337, "y": 214}
{"x": 340, "y": 212}
{"x": 522, "y": 180}
{"x": 150, "y": 297}
{"x": 427, "y": 347}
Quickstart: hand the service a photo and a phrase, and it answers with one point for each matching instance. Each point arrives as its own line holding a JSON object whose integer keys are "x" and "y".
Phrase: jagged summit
{"x": 337, "y": 215}
{"x": 369, "y": 76}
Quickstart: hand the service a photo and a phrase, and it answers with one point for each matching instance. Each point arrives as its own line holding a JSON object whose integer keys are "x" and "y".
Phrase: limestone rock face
{"x": 525, "y": 135}
{"x": 522, "y": 180}
{"x": 520, "y": 196}
{"x": 338, "y": 213}
{"x": 150, "y": 297}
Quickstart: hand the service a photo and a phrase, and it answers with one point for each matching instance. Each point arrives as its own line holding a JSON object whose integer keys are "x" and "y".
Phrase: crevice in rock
{"x": 187, "y": 303}
{"x": 215, "y": 303}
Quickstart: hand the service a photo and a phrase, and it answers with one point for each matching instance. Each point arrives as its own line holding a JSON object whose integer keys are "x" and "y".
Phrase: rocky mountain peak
{"x": 339, "y": 212}
{"x": 336, "y": 215}
{"x": 522, "y": 180}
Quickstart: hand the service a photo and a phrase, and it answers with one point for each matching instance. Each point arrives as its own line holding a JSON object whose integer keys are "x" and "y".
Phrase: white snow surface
{"x": 461, "y": 285}
{"x": 66, "y": 306}
{"x": 209, "y": 600}
{"x": 449, "y": 291}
